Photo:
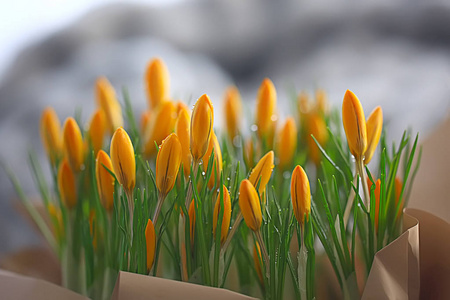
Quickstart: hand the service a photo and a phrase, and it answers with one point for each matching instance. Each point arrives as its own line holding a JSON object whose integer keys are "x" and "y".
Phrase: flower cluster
{"x": 169, "y": 197}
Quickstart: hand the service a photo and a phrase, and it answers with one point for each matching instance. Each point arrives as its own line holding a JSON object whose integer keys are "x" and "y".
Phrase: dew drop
{"x": 254, "y": 127}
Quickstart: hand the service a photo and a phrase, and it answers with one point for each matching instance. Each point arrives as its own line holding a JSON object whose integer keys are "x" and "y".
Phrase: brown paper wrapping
{"x": 140, "y": 287}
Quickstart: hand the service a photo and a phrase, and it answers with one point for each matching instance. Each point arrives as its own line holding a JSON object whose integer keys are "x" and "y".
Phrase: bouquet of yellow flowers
{"x": 169, "y": 198}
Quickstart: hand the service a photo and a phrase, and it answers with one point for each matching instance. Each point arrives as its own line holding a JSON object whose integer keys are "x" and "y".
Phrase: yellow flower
{"x": 97, "y": 128}
{"x": 157, "y": 81}
{"x": 300, "y": 194}
{"x": 162, "y": 125}
{"x": 354, "y": 124}
{"x": 123, "y": 160}
{"x": 304, "y": 106}
{"x": 249, "y": 204}
{"x": 287, "y": 143}
{"x": 66, "y": 185}
{"x": 377, "y": 193}
{"x": 180, "y": 107}
{"x": 150, "y": 239}
{"x": 51, "y": 135}
{"x": 318, "y": 128}
{"x": 217, "y": 161}
{"x": 374, "y": 126}
{"x": 256, "y": 260}
{"x": 107, "y": 101}
{"x": 182, "y": 131}
{"x": 233, "y": 111}
{"x": 168, "y": 163}
{"x": 202, "y": 122}
{"x": 398, "y": 190}
{"x": 73, "y": 144}
{"x": 191, "y": 213}
{"x": 226, "y": 215}
{"x": 262, "y": 171}
{"x": 265, "y": 108}
{"x": 105, "y": 181}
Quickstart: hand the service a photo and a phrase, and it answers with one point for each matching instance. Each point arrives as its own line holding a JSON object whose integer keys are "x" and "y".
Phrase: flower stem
{"x": 264, "y": 252}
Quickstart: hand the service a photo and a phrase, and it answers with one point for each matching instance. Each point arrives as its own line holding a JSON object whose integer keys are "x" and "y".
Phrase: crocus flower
{"x": 262, "y": 171}
{"x": 73, "y": 144}
{"x": 249, "y": 205}
{"x": 354, "y": 125}
{"x": 316, "y": 127}
{"x": 51, "y": 135}
{"x": 233, "y": 111}
{"x": 265, "y": 108}
{"x": 300, "y": 194}
{"x": 182, "y": 131}
{"x": 168, "y": 163}
{"x": 226, "y": 215}
{"x": 374, "y": 126}
{"x": 97, "y": 129}
{"x": 157, "y": 81}
{"x": 123, "y": 160}
{"x": 287, "y": 143}
{"x": 217, "y": 161}
{"x": 105, "y": 181}
{"x": 150, "y": 239}
{"x": 66, "y": 185}
{"x": 107, "y": 101}
{"x": 201, "y": 129}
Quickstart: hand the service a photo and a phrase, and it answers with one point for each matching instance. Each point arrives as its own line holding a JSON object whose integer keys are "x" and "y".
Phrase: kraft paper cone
{"x": 137, "y": 287}
{"x": 16, "y": 287}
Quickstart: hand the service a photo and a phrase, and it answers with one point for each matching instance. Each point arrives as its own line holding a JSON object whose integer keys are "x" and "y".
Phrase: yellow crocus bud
{"x": 182, "y": 131}
{"x": 51, "y": 135}
{"x": 256, "y": 260}
{"x": 97, "y": 129}
{"x": 316, "y": 127}
{"x": 262, "y": 171}
{"x": 377, "y": 193}
{"x": 168, "y": 163}
{"x": 398, "y": 190}
{"x": 162, "y": 125}
{"x": 157, "y": 81}
{"x": 300, "y": 194}
{"x": 374, "y": 127}
{"x": 287, "y": 143}
{"x": 191, "y": 213}
{"x": 107, "y": 101}
{"x": 150, "y": 240}
{"x": 233, "y": 111}
{"x": 249, "y": 153}
{"x": 217, "y": 161}
{"x": 145, "y": 122}
{"x": 226, "y": 215}
{"x": 180, "y": 106}
{"x": 66, "y": 185}
{"x": 123, "y": 160}
{"x": 354, "y": 124}
{"x": 73, "y": 144}
{"x": 265, "y": 108}
{"x": 321, "y": 101}
{"x": 201, "y": 129}
{"x": 105, "y": 181}
{"x": 249, "y": 204}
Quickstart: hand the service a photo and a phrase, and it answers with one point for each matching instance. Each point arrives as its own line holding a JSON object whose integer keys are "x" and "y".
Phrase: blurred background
{"x": 390, "y": 53}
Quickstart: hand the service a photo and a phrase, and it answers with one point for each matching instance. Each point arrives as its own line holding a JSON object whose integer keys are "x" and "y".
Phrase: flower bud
{"x": 202, "y": 122}
{"x": 51, "y": 135}
{"x": 233, "y": 111}
{"x": 374, "y": 126}
{"x": 249, "y": 153}
{"x": 321, "y": 102}
{"x": 97, "y": 129}
{"x": 398, "y": 191}
{"x": 217, "y": 161}
{"x": 262, "y": 171}
{"x": 105, "y": 181}
{"x": 123, "y": 160}
{"x": 316, "y": 127}
{"x": 182, "y": 131}
{"x": 168, "y": 163}
{"x": 157, "y": 81}
{"x": 66, "y": 185}
{"x": 107, "y": 101}
{"x": 354, "y": 124}
{"x": 145, "y": 122}
{"x": 162, "y": 125}
{"x": 226, "y": 215}
{"x": 287, "y": 143}
{"x": 249, "y": 204}
{"x": 377, "y": 199}
{"x": 304, "y": 106}
{"x": 191, "y": 213}
{"x": 265, "y": 108}
{"x": 300, "y": 194}
{"x": 73, "y": 144}
{"x": 56, "y": 216}
{"x": 150, "y": 240}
